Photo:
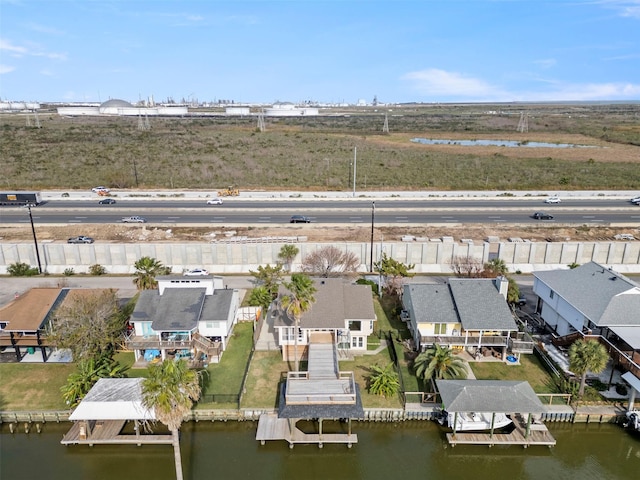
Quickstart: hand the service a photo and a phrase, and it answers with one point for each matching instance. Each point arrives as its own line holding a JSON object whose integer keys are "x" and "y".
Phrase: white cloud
{"x": 20, "y": 51}
{"x": 9, "y": 47}
{"x": 6, "y": 69}
{"x": 625, "y": 8}
{"x": 545, "y": 63}
{"x": 434, "y": 81}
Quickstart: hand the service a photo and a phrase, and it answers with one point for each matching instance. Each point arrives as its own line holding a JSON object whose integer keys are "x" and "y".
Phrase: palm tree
{"x": 287, "y": 254}
{"x": 383, "y": 381}
{"x": 439, "y": 362}
{"x": 147, "y": 268}
{"x": 170, "y": 391}
{"x": 587, "y": 356}
{"x": 297, "y": 301}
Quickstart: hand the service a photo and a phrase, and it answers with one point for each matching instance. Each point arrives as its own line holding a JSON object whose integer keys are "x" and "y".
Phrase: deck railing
{"x": 469, "y": 341}
{"x": 307, "y": 391}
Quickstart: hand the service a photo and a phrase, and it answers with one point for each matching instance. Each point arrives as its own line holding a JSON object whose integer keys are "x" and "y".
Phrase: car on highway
{"x": 195, "y": 272}
{"x": 542, "y": 216}
{"x": 107, "y": 201}
{"x": 552, "y": 200}
{"x": 134, "y": 219}
{"x": 635, "y": 200}
{"x": 100, "y": 189}
{"x": 214, "y": 201}
{"x": 299, "y": 219}
{"x": 80, "y": 239}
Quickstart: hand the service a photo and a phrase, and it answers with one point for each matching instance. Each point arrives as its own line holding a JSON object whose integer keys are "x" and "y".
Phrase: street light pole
{"x": 373, "y": 218}
{"x": 35, "y": 239}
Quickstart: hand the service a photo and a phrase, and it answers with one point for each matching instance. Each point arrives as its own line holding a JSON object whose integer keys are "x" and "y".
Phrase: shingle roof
{"x": 335, "y": 302}
{"x": 475, "y": 303}
{"x": 178, "y": 309}
{"x": 319, "y": 411}
{"x": 489, "y": 396}
{"x": 27, "y": 312}
{"x": 216, "y": 306}
{"x": 605, "y": 297}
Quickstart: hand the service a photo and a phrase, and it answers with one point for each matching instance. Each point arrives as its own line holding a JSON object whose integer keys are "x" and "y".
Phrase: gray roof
{"x": 630, "y": 335}
{"x": 599, "y": 293}
{"x": 319, "y": 411}
{"x": 489, "y": 396}
{"x": 178, "y": 309}
{"x": 474, "y": 302}
{"x": 113, "y": 399}
{"x": 480, "y": 305}
{"x": 217, "y": 306}
{"x": 335, "y": 302}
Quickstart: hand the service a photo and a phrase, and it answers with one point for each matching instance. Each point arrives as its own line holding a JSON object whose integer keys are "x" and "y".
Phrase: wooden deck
{"x": 270, "y": 427}
{"x": 108, "y": 433}
{"x": 538, "y": 435}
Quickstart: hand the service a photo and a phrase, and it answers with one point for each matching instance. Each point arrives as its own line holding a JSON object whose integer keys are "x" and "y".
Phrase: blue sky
{"x": 326, "y": 51}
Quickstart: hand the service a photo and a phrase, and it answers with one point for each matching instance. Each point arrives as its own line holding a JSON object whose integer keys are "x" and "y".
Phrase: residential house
{"x": 344, "y": 310}
{"x": 469, "y": 314}
{"x": 186, "y": 317}
{"x": 592, "y": 300}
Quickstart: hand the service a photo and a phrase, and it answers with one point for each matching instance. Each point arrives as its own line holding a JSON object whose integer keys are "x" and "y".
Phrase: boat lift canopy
{"x": 489, "y": 396}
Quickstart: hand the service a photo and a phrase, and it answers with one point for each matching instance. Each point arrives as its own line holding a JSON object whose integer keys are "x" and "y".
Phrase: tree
{"x": 513, "y": 291}
{"x": 439, "y": 362}
{"x": 383, "y": 381}
{"x": 269, "y": 277}
{"x": 465, "y": 266}
{"x": 170, "y": 391}
{"x": 260, "y": 297}
{"x": 393, "y": 272}
{"x": 494, "y": 268}
{"x": 298, "y": 300}
{"x": 147, "y": 268}
{"x": 89, "y": 324}
{"x": 330, "y": 262}
{"x": 20, "y": 269}
{"x": 287, "y": 254}
{"x": 587, "y": 356}
{"x": 88, "y": 372}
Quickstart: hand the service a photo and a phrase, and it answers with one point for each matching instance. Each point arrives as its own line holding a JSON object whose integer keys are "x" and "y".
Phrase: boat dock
{"x": 538, "y": 435}
{"x": 107, "y": 432}
{"x": 270, "y": 427}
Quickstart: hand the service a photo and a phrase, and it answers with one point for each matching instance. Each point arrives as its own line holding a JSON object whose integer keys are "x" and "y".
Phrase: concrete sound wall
{"x": 428, "y": 257}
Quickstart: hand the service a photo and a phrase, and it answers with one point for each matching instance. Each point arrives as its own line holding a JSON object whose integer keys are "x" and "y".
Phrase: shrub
{"x": 97, "y": 269}
{"x": 19, "y": 269}
{"x": 621, "y": 389}
{"x": 68, "y": 272}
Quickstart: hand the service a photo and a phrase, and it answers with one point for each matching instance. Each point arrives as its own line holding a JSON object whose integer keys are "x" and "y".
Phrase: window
{"x": 287, "y": 334}
{"x": 551, "y": 294}
{"x": 354, "y": 325}
{"x": 213, "y": 324}
{"x": 357, "y": 342}
{"x": 440, "y": 329}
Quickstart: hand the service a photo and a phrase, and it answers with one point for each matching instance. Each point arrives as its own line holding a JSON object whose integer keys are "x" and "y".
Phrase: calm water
{"x": 496, "y": 143}
{"x": 409, "y": 450}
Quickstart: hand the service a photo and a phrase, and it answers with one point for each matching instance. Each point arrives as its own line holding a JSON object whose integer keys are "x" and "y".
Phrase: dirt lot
{"x": 314, "y": 233}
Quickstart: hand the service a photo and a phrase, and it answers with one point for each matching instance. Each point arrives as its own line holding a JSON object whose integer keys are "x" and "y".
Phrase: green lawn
{"x": 530, "y": 369}
{"x": 33, "y": 386}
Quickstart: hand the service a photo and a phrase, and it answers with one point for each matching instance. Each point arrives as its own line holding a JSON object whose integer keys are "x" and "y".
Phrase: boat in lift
{"x": 473, "y": 421}
{"x": 633, "y": 420}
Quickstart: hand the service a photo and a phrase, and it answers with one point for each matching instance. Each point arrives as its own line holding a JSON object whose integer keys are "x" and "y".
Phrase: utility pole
{"x": 355, "y": 159}
{"x": 35, "y": 240}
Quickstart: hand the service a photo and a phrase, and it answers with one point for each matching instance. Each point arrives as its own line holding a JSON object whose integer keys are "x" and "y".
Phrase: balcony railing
{"x": 470, "y": 341}
{"x": 144, "y": 343}
{"x": 521, "y": 343}
{"x": 301, "y": 390}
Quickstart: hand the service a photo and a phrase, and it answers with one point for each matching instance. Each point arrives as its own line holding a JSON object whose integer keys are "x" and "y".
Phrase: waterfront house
{"x": 26, "y": 322}
{"x": 185, "y": 317}
{"x": 592, "y": 301}
{"x": 469, "y": 314}
{"x": 344, "y": 310}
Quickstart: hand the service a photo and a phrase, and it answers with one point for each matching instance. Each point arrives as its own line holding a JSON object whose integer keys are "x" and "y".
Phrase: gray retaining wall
{"x": 240, "y": 257}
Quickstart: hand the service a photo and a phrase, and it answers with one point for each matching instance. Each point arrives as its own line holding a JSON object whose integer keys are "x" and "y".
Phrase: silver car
{"x": 134, "y": 219}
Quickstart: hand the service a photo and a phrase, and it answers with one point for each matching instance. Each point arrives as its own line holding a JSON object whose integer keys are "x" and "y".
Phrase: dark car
{"x": 542, "y": 216}
{"x": 80, "y": 239}
{"x": 107, "y": 201}
{"x": 299, "y": 219}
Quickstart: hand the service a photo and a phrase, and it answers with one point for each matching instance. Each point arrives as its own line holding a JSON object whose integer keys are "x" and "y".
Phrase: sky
{"x": 335, "y": 51}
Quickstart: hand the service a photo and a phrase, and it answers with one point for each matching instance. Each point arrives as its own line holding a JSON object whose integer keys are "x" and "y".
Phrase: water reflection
{"x": 497, "y": 143}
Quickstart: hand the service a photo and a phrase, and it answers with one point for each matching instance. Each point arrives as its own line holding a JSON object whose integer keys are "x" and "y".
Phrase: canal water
{"x": 386, "y": 451}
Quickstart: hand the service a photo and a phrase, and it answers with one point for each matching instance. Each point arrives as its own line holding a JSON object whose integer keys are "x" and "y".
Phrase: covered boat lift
{"x": 516, "y": 398}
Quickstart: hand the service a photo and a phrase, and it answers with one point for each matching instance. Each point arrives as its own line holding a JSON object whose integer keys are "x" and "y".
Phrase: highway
{"x": 404, "y": 211}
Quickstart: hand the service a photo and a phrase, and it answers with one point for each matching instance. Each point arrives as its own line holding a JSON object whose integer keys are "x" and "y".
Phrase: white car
{"x": 552, "y": 200}
{"x": 214, "y": 201}
{"x": 195, "y": 272}
{"x": 134, "y": 219}
{"x": 100, "y": 189}
{"x": 635, "y": 200}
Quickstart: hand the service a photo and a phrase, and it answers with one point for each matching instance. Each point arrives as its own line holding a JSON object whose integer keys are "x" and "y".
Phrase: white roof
{"x": 632, "y": 380}
{"x": 631, "y": 335}
{"x": 113, "y": 399}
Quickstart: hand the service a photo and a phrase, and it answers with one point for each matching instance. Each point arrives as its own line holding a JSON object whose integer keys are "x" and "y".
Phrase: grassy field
{"x": 317, "y": 152}
{"x": 530, "y": 370}
{"x": 26, "y": 387}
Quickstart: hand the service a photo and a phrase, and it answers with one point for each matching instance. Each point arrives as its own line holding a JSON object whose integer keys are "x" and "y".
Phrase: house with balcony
{"x": 592, "y": 301}
{"x": 342, "y": 310}
{"x": 186, "y": 317}
{"x": 469, "y": 314}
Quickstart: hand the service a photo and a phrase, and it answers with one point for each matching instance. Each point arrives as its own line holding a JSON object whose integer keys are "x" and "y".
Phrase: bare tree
{"x": 330, "y": 262}
{"x": 464, "y": 266}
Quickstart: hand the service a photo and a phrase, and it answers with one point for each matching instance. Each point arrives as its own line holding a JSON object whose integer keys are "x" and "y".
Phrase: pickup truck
{"x": 134, "y": 219}
{"x": 80, "y": 239}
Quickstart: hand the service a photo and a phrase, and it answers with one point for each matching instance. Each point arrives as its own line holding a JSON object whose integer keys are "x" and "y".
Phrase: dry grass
{"x": 36, "y": 387}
